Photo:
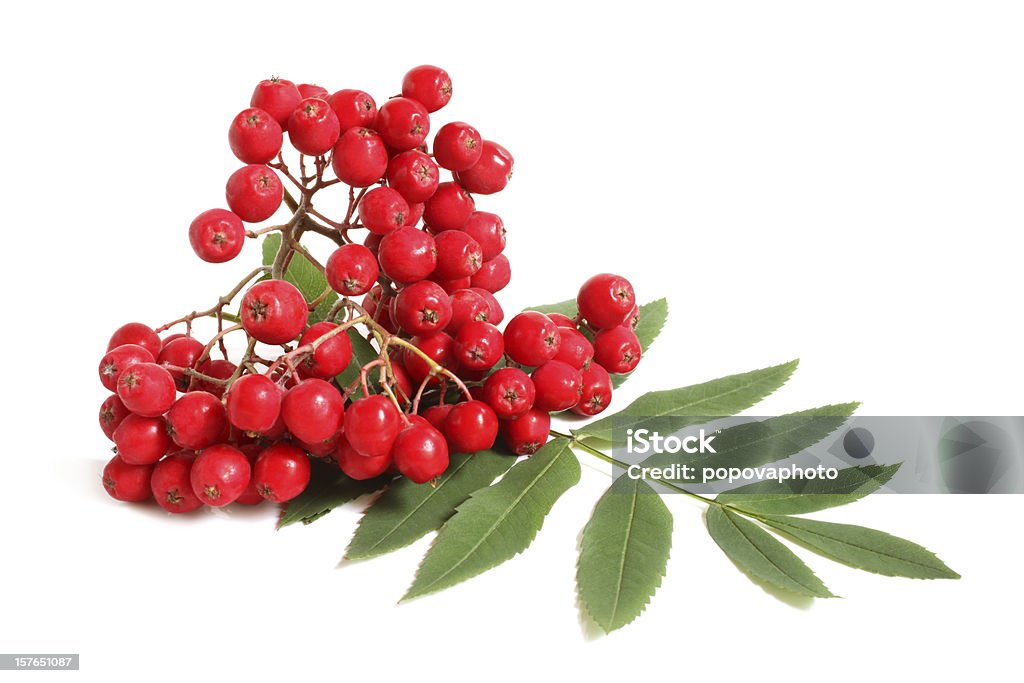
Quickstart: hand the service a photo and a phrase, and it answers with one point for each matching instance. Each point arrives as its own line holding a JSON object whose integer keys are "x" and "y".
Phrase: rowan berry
{"x": 448, "y": 208}
{"x": 423, "y": 308}
{"x": 255, "y": 136}
{"x": 527, "y": 433}
{"x": 407, "y": 255}
{"x": 141, "y": 440}
{"x": 597, "y": 391}
{"x": 371, "y": 425}
{"x": 253, "y": 403}
{"x": 420, "y": 452}
{"x": 414, "y": 175}
{"x": 354, "y": 108}
{"x": 360, "y": 158}
{"x": 281, "y": 472}
{"x": 219, "y": 475}
{"x": 617, "y": 349}
{"x": 216, "y": 235}
{"x": 428, "y": 85}
{"x": 478, "y": 345}
{"x": 382, "y": 210}
{"x": 332, "y": 355}
{"x": 171, "y": 483}
{"x": 403, "y": 123}
{"x": 490, "y": 173}
{"x": 278, "y": 97}
{"x": 274, "y": 311}
{"x": 197, "y": 420}
{"x": 559, "y": 386}
{"x": 313, "y": 127}
{"x": 127, "y": 482}
{"x": 494, "y": 275}
{"x": 138, "y": 334}
{"x": 313, "y": 410}
{"x": 471, "y": 426}
{"x": 605, "y": 300}
{"x": 531, "y": 338}
{"x": 146, "y": 389}
{"x": 457, "y": 146}
{"x": 254, "y": 193}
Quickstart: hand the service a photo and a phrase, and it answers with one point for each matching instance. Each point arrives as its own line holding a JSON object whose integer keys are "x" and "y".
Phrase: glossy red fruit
{"x": 489, "y": 232}
{"x": 382, "y": 210}
{"x": 138, "y": 334}
{"x": 255, "y": 136}
{"x": 605, "y": 300}
{"x": 495, "y": 314}
{"x": 217, "y": 369}
{"x": 509, "y": 392}
{"x": 183, "y": 352}
{"x": 617, "y": 349}
{"x": 356, "y": 465}
{"x": 313, "y": 127}
{"x": 467, "y": 306}
{"x": 141, "y": 440}
{"x": 438, "y": 347}
{"x": 313, "y": 410}
{"x": 562, "y": 320}
{"x": 494, "y": 275}
{"x": 559, "y": 386}
{"x": 531, "y": 339}
{"x": 312, "y": 90}
{"x": 126, "y": 482}
{"x": 458, "y": 255}
{"x": 351, "y": 270}
{"x": 377, "y": 304}
{"x": 355, "y": 108}
{"x": 274, "y": 311}
{"x": 436, "y": 415}
{"x": 490, "y": 173}
{"x": 407, "y": 255}
{"x": 448, "y": 208}
{"x": 371, "y": 425}
{"x": 420, "y": 452}
{"x": 332, "y": 355}
{"x": 322, "y": 449}
{"x": 414, "y": 215}
{"x": 253, "y": 403}
{"x": 403, "y": 123}
{"x": 216, "y": 235}
{"x": 574, "y": 348}
{"x": 597, "y": 391}
{"x": 220, "y": 475}
{"x": 112, "y": 413}
{"x": 414, "y": 175}
{"x": 119, "y": 359}
{"x": 527, "y": 433}
{"x": 169, "y": 338}
{"x": 254, "y": 193}
{"x": 278, "y": 97}
{"x": 423, "y": 308}
{"x": 457, "y": 146}
{"x": 281, "y": 472}
{"x": 360, "y": 158}
{"x": 478, "y": 345}
{"x": 197, "y": 420}
{"x": 171, "y": 483}
{"x": 470, "y": 427}
{"x": 146, "y": 389}
{"x": 428, "y": 85}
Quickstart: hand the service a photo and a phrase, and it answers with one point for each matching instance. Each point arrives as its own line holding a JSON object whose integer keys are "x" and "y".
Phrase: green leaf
{"x": 652, "y": 319}
{"x": 328, "y": 488}
{"x": 408, "y": 511}
{"x": 693, "y": 404}
{"x": 862, "y": 548}
{"x": 362, "y": 353}
{"x": 761, "y": 556}
{"x": 623, "y": 554}
{"x": 566, "y": 308}
{"x": 304, "y": 275}
{"x": 809, "y": 495}
{"x": 498, "y": 522}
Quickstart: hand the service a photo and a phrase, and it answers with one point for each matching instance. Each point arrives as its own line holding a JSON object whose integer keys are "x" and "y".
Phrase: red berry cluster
{"x": 190, "y": 429}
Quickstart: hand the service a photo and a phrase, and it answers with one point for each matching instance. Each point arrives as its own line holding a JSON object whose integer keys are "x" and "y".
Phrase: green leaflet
{"x": 862, "y": 548}
{"x": 408, "y": 511}
{"x": 809, "y": 495}
{"x": 328, "y": 488}
{"x": 302, "y": 274}
{"x": 761, "y": 556}
{"x": 623, "y": 554}
{"x": 694, "y": 404}
{"x": 566, "y": 308}
{"x": 362, "y": 353}
{"x": 499, "y": 521}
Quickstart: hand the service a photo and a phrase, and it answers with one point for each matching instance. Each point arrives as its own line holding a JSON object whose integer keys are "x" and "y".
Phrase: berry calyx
{"x": 509, "y": 392}
{"x": 220, "y": 475}
{"x": 605, "y": 300}
{"x": 127, "y": 482}
{"x": 617, "y": 349}
{"x": 274, "y": 311}
{"x": 420, "y": 452}
{"x": 216, "y": 235}
{"x": 457, "y": 146}
{"x": 171, "y": 483}
{"x": 382, "y": 210}
{"x": 371, "y": 425}
{"x": 254, "y": 193}
{"x": 429, "y": 85}
{"x": 146, "y": 389}
{"x": 531, "y": 339}
{"x": 527, "y": 433}
{"x": 255, "y": 136}
{"x": 470, "y": 427}
{"x": 312, "y": 410}
{"x": 253, "y": 403}
{"x": 281, "y": 472}
{"x": 197, "y": 420}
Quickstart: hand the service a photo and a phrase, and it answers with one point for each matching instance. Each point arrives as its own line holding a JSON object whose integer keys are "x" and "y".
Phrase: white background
{"x": 835, "y": 181}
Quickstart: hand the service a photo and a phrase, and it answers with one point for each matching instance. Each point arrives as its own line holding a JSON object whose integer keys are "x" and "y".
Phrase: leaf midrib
{"x": 729, "y": 516}
{"x": 625, "y": 552}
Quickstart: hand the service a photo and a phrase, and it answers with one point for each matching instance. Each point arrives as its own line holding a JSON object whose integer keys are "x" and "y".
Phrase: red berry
{"x": 254, "y": 193}
{"x": 494, "y": 312}
{"x": 171, "y": 483}
{"x": 428, "y": 85}
{"x": 458, "y": 255}
{"x": 138, "y": 334}
{"x": 216, "y": 235}
{"x": 253, "y": 403}
{"x": 509, "y": 392}
{"x": 559, "y": 386}
{"x": 436, "y": 415}
{"x": 255, "y": 136}
{"x": 169, "y": 338}
{"x": 322, "y": 449}
{"x": 617, "y": 349}
{"x": 357, "y": 465}
{"x": 118, "y": 360}
{"x": 220, "y": 475}
{"x": 278, "y": 97}
{"x": 574, "y": 348}
{"x": 414, "y": 175}
{"x": 531, "y": 339}
{"x": 281, "y": 472}
{"x": 218, "y": 369}
{"x": 489, "y": 232}
{"x": 354, "y": 108}
{"x": 470, "y": 427}
{"x": 491, "y": 173}
{"x": 414, "y": 215}
{"x": 382, "y": 210}
{"x": 141, "y": 440}
{"x": 493, "y": 275}
{"x": 562, "y": 320}
{"x": 420, "y": 452}
{"x": 313, "y": 410}
{"x": 605, "y": 300}
{"x": 197, "y": 420}
{"x": 112, "y": 413}
{"x": 371, "y": 425}
{"x": 423, "y": 308}
{"x": 312, "y": 90}
{"x": 274, "y": 311}
{"x": 360, "y": 158}
{"x": 182, "y": 352}
{"x": 127, "y": 482}
{"x": 448, "y": 208}
{"x": 146, "y": 389}
{"x": 331, "y": 357}
{"x": 407, "y": 255}
{"x": 313, "y": 127}
{"x": 478, "y": 345}
{"x": 351, "y": 270}
{"x": 377, "y": 304}
{"x": 437, "y": 346}
{"x": 527, "y": 433}
{"x": 597, "y": 391}
{"x": 467, "y": 306}
{"x": 403, "y": 123}
{"x": 457, "y": 146}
